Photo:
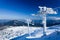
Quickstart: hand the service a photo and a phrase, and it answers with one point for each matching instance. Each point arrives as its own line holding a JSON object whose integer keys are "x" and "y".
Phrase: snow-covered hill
{"x": 36, "y": 32}
{"x": 13, "y": 32}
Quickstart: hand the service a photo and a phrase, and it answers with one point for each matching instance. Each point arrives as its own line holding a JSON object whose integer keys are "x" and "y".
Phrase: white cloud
{"x": 57, "y": 18}
{"x": 54, "y": 18}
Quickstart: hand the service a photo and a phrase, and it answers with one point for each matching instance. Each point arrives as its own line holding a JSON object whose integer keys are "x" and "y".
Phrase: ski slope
{"x": 14, "y": 32}
{"x": 36, "y": 32}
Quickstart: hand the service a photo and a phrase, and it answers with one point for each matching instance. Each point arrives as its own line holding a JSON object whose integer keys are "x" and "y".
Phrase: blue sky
{"x": 20, "y": 9}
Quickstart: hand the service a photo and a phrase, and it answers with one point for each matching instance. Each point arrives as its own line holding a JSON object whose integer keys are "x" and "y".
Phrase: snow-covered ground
{"x": 36, "y": 32}
{"x": 13, "y": 32}
{"x": 39, "y": 33}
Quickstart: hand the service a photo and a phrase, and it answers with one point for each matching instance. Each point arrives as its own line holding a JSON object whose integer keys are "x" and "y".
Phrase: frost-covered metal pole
{"x": 28, "y": 22}
{"x": 43, "y": 12}
{"x": 44, "y": 24}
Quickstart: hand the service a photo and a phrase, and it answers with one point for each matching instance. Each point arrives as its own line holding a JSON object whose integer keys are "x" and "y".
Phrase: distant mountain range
{"x": 23, "y": 22}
